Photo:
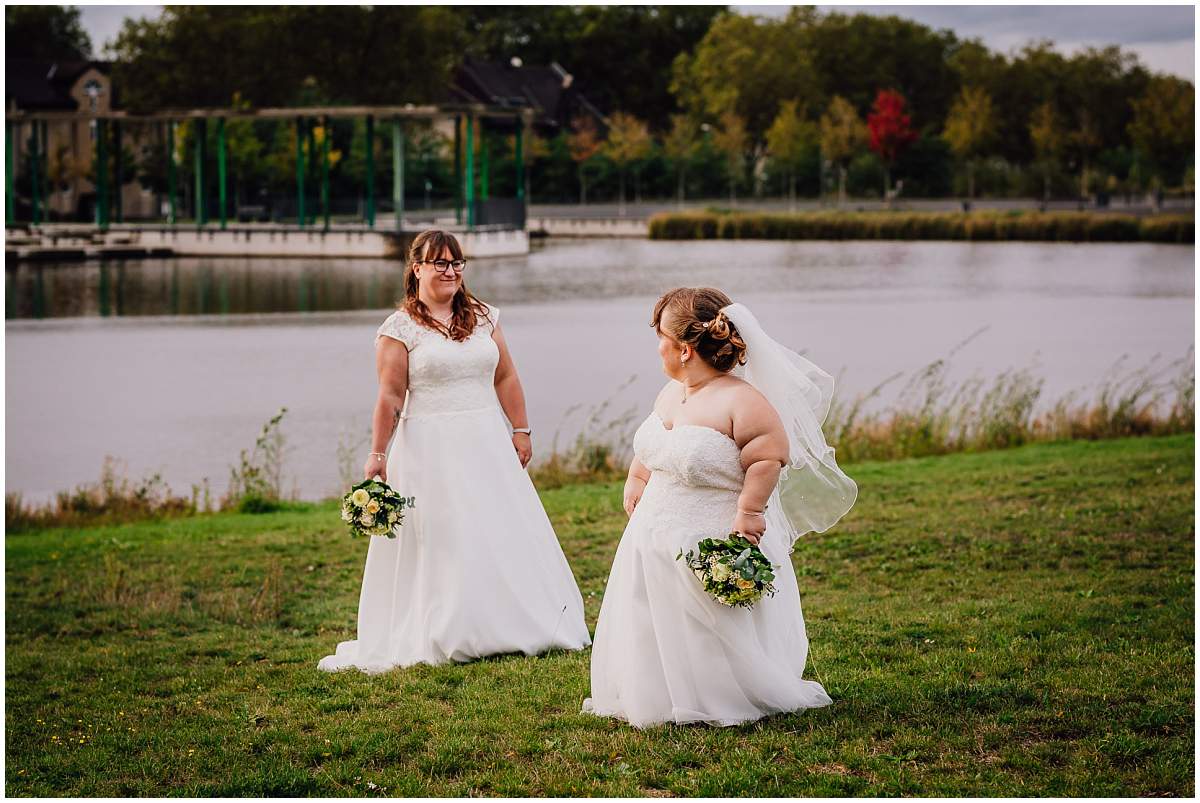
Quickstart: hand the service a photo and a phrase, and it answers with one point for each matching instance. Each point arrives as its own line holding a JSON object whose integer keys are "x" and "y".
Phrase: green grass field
{"x": 1005, "y": 623}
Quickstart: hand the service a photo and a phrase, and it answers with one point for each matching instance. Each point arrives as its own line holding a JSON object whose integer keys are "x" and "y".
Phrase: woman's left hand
{"x": 524, "y": 447}
{"x": 750, "y": 527}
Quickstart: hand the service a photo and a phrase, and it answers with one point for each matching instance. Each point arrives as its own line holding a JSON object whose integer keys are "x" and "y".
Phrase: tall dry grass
{"x": 974, "y": 226}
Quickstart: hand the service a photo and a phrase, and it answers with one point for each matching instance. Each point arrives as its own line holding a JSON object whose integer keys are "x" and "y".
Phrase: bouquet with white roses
{"x": 373, "y": 508}
{"x": 734, "y": 571}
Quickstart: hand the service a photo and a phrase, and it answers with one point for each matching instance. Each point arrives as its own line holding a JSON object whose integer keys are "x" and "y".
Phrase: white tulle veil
{"x": 813, "y": 493}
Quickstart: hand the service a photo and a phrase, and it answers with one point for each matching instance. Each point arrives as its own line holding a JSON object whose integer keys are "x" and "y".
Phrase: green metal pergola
{"x": 471, "y": 184}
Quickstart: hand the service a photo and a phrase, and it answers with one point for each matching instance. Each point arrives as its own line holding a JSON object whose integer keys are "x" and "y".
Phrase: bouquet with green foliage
{"x": 373, "y": 508}
{"x": 734, "y": 571}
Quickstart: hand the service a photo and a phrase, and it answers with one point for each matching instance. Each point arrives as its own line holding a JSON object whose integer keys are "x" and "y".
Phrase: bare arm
{"x": 639, "y": 475}
{"x": 512, "y": 397}
{"x": 764, "y": 444}
{"x": 391, "y": 364}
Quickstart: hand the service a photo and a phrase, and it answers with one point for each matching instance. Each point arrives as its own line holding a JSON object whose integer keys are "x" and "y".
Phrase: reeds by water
{"x": 113, "y": 499}
{"x": 973, "y": 226}
{"x": 930, "y": 416}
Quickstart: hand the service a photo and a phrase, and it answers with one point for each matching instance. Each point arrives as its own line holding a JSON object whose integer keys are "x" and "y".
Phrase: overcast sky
{"x": 1163, "y": 37}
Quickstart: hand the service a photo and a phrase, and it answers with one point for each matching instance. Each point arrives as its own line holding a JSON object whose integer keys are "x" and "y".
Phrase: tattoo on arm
{"x": 395, "y": 419}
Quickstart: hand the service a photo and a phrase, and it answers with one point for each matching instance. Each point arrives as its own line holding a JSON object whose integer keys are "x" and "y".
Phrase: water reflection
{"x": 600, "y": 269}
{"x": 197, "y": 287}
{"x": 184, "y": 391}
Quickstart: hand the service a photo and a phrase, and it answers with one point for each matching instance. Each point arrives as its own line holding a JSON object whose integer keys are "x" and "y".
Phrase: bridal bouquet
{"x": 373, "y": 508}
{"x": 734, "y": 571}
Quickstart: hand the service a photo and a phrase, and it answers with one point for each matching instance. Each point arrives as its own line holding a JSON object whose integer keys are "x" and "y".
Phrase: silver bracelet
{"x": 522, "y": 431}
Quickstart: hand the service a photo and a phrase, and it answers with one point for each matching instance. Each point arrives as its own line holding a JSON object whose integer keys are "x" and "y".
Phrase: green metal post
{"x": 300, "y": 171}
{"x": 398, "y": 173}
{"x": 171, "y": 178}
{"x": 370, "y": 154}
{"x": 101, "y": 173}
{"x": 311, "y": 132}
{"x": 485, "y": 162}
{"x": 519, "y": 156}
{"x": 10, "y": 205}
{"x": 326, "y": 135}
{"x": 34, "y": 141}
{"x": 221, "y": 170}
{"x": 458, "y": 179}
{"x": 44, "y": 155}
{"x": 118, "y": 174}
{"x": 470, "y": 173}
{"x": 201, "y": 151}
{"x": 105, "y": 292}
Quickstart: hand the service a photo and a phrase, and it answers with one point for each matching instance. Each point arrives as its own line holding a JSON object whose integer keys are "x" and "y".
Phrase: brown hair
{"x": 697, "y": 321}
{"x": 466, "y": 309}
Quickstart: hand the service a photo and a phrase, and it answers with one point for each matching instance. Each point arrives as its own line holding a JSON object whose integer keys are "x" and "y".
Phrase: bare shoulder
{"x": 670, "y": 390}
{"x": 752, "y": 414}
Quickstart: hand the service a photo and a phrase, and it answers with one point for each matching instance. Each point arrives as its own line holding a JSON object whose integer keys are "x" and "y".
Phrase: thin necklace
{"x": 696, "y": 388}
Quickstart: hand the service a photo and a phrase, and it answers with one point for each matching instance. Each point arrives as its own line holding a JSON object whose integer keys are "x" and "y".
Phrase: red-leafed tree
{"x": 891, "y": 132}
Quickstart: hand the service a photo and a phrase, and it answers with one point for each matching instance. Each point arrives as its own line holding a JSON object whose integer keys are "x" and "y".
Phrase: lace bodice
{"x": 445, "y": 376}
{"x": 692, "y": 455}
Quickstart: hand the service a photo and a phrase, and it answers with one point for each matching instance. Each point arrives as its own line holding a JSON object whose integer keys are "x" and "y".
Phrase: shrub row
{"x": 975, "y": 226}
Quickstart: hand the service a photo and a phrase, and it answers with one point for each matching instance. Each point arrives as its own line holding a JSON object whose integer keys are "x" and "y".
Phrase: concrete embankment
{"x": 67, "y": 242}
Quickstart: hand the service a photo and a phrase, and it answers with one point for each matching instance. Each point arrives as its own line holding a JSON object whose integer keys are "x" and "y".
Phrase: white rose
{"x": 366, "y": 519}
{"x": 721, "y": 572}
{"x": 360, "y": 497}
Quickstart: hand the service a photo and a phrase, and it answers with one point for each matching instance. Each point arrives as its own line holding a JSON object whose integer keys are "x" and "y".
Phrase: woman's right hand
{"x": 375, "y": 466}
{"x": 634, "y": 487}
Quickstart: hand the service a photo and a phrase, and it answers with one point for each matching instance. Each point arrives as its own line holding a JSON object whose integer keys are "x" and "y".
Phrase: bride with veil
{"x": 734, "y": 444}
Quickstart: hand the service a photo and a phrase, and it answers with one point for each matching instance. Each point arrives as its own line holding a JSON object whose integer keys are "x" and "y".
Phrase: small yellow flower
{"x": 742, "y": 582}
{"x": 372, "y": 507}
{"x": 360, "y": 497}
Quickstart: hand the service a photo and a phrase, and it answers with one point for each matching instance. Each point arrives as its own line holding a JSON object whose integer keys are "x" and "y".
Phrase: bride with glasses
{"x": 476, "y": 568}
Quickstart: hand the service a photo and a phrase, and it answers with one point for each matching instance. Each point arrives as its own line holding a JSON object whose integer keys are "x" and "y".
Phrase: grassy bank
{"x": 975, "y": 226}
{"x": 1012, "y": 622}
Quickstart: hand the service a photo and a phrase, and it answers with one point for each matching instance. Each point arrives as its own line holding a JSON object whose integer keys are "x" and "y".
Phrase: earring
{"x": 682, "y": 360}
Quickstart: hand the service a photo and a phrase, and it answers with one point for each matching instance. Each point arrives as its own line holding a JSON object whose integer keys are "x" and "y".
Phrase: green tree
{"x": 45, "y": 32}
{"x": 853, "y": 55}
{"x": 628, "y": 143}
{"x": 970, "y": 127}
{"x": 747, "y": 65}
{"x": 1048, "y": 137}
{"x": 583, "y": 39}
{"x": 583, "y": 143}
{"x": 1163, "y": 127}
{"x": 789, "y": 139}
{"x": 200, "y": 55}
{"x": 731, "y": 141}
{"x": 244, "y": 152}
{"x": 681, "y": 146}
{"x": 843, "y": 136}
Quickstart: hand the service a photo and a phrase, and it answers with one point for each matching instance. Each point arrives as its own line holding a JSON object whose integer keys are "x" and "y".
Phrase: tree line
{"x": 696, "y": 100}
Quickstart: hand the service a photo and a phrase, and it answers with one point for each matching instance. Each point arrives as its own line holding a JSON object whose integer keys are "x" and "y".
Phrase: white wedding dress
{"x": 476, "y": 568}
{"x": 665, "y": 651}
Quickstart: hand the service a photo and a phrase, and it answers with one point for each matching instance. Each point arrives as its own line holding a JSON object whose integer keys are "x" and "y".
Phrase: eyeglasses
{"x": 441, "y": 265}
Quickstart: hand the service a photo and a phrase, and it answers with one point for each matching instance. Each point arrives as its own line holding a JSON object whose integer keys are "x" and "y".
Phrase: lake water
{"x": 174, "y": 365}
